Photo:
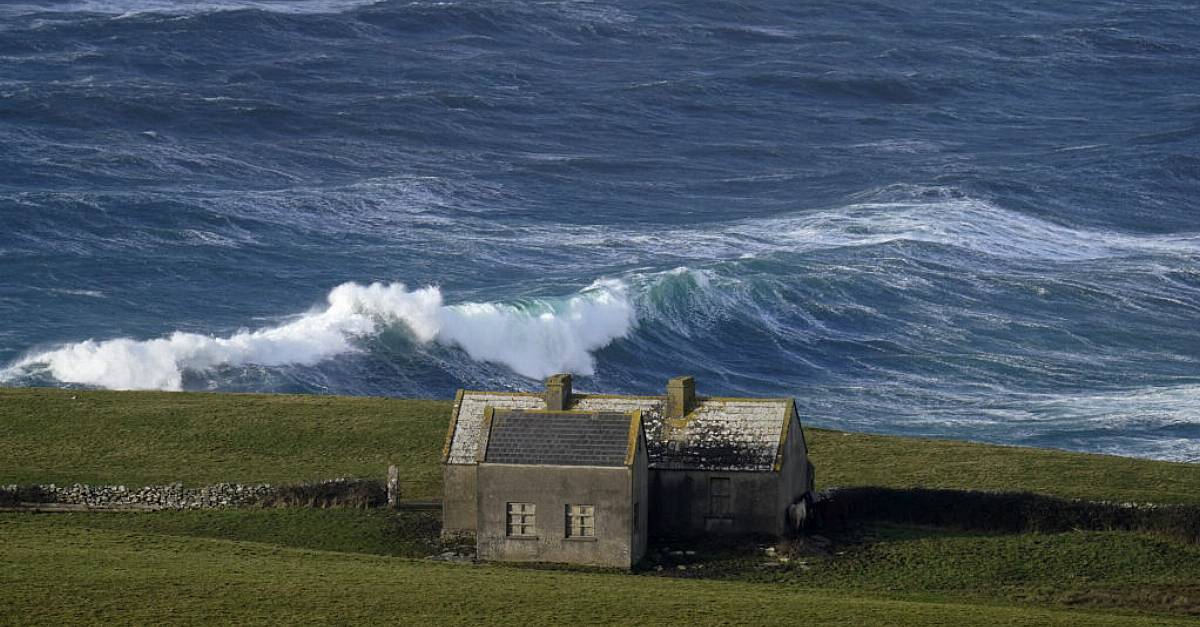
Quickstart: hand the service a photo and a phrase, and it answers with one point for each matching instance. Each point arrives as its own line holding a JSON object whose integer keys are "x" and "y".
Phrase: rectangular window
{"x": 522, "y": 519}
{"x": 581, "y": 521}
{"x": 720, "y": 497}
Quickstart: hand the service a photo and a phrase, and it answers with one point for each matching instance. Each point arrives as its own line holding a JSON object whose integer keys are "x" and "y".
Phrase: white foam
{"x": 122, "y": 9}
{"x": 534, "y": 338}
{"x": 541, "y": 338}
{"x": 1138, "y": 421}
{"x": 903, "y": 146}
{"x": 88, "y": 293}
{"x": 1158, "y": 406}
{"x": 896, "y": 214}
{"x": 965, "y": 223}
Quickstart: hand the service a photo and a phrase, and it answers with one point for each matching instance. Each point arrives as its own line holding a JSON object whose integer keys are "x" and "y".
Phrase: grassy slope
{"x": 858, "y": 459}
{"x": 140, "y": 438}
{"x": 55, "y": 573}
{"x": 227, "y": 564}
{"x": 135, "y": 438}
{"x": 1078, "y": 569}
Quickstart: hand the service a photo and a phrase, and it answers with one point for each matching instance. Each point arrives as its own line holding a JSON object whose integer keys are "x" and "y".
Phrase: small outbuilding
{"x": 527, "y": 473}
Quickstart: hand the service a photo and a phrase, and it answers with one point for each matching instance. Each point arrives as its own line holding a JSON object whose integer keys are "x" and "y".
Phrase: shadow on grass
{"x": 998, "y": 512}
{"x": 13, "y": 496}
{"x": 352, "y": 493}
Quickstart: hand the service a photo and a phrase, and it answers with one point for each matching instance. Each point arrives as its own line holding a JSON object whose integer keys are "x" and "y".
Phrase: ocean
{"x": 947, "y": 219}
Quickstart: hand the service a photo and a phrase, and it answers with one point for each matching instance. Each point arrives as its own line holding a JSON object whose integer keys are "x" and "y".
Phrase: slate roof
{"x": 559, "y": 438}
{"x": 719, "y": 433}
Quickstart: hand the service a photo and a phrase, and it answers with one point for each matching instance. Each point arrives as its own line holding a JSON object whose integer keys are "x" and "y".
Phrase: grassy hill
{"x": 296, "y": 565}
{"x": 143, "y": 438}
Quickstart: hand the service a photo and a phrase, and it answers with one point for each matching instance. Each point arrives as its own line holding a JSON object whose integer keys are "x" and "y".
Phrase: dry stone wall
{"x": 171, "y": 496}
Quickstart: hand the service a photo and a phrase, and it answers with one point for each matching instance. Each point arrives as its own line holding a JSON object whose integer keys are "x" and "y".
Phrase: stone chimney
{"x": 681, "y": 396}
{"x": 558, "y": 392}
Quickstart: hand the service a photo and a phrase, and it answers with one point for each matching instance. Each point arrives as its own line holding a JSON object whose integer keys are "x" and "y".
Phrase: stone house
{"x": 549, "y": 465}
{"x": 561, "y": 486}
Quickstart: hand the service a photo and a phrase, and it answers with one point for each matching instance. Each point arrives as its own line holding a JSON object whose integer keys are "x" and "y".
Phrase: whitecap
{"x": 533, "y": 338}
{"x": 938, "y": 217}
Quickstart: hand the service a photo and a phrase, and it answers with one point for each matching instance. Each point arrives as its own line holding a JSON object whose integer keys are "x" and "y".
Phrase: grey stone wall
{"x": 458, "y": 499}
{"x": 680, "y": 503}
{"x": 172, "y": 496}
{"x": 795, "y": 480}
{"x": 551, "y": 489}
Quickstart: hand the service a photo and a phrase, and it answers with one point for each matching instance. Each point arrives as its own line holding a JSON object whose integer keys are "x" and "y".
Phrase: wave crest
{"x": 534, "y": 338}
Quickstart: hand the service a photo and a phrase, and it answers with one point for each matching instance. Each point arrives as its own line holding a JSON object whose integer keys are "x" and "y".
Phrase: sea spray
{"x": 541, "y": 337}
{"x": 534, "y": 338}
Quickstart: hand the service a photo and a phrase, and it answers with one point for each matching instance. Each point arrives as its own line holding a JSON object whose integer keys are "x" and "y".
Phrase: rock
{"x": 681, "y": 567}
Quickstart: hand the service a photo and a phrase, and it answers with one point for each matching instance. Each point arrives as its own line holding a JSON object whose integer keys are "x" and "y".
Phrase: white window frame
{"x": 581, "y": 521}
{"x": 520, "y": 520}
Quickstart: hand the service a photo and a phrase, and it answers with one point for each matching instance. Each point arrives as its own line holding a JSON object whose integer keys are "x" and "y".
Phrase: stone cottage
{"x": 709, "y": 465}
{"x": 561, "y": 486}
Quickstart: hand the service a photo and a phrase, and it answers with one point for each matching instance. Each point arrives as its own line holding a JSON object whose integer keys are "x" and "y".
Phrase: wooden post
{"x": 393, "y": 487}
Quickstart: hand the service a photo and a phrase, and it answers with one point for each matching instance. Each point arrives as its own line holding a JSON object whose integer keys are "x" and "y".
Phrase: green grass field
{"x": 141, "y": 438}
{"x": 297, "y": 565}
{"x": 58, "y": 570}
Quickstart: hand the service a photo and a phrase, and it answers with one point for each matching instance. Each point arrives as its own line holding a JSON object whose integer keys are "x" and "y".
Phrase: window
{"x": 581, "y": 521}
{"x": 720, "y": 497}
{"x": 522, "y": 519}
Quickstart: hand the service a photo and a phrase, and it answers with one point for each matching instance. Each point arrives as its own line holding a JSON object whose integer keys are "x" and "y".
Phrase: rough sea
{"x": 952, "y": 219}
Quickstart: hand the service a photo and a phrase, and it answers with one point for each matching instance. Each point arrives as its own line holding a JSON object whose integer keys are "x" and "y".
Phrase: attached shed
{"x": 727, "y": 466}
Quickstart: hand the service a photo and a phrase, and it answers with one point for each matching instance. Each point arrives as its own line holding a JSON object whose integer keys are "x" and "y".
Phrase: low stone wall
{"x": 172, "y": 496}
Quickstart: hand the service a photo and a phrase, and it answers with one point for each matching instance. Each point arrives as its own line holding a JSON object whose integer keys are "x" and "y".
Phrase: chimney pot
{"x": 558, "y": 392}
{"x": 681, "y": 396}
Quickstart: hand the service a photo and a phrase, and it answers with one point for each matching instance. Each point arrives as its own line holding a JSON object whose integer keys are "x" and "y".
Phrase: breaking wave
{"x": 534, "y": 338}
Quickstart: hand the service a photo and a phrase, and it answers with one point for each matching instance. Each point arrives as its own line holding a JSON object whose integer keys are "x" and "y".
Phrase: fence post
{"x": 393, "y": 487}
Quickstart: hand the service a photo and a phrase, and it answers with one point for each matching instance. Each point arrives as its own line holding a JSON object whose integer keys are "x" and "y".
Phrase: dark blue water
{"x": 958, "y": 219}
